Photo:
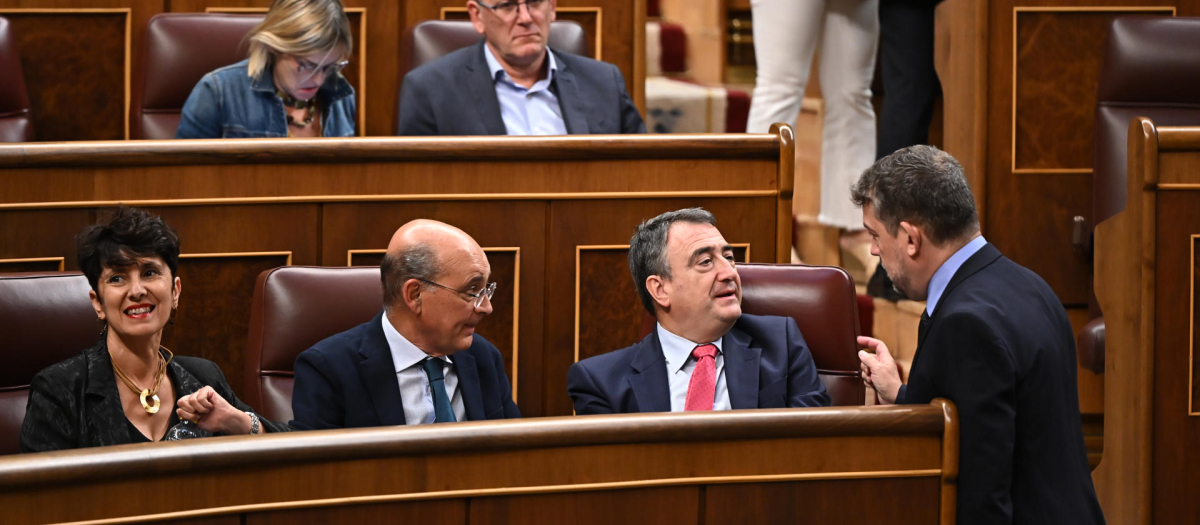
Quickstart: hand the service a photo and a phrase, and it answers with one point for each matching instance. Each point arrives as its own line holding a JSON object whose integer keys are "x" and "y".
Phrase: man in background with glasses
{"x": 511, "y": 83}
{"x": 419, "y": 361}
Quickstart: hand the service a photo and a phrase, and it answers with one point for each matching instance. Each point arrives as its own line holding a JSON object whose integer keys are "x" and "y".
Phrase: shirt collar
{"x": 404, "y": 353}
{"x": 676, "y": 350}
{"x": 941, "y": 278}
{"x": 498, "y": 72}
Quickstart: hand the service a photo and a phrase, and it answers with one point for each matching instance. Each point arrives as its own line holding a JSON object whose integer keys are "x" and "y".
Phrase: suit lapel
{"x": 649, "y": 377}
{"x": 482, "y": 85}
{"x": 378, "y": 373}
{"x": 468, "y": 382}
{"x": 574, "y": 118}
{"x": 741, "y": 369}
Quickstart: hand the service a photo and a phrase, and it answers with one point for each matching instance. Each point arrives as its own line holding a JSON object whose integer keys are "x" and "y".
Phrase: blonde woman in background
{"x": 290, "y": 86}
{"x": 787, "y": 33}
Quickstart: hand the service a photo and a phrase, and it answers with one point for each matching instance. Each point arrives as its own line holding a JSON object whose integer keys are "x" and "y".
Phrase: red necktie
{"x": 703, "y": 386}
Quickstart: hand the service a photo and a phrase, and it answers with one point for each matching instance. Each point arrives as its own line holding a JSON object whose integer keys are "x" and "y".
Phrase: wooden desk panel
{"x": 593, "y": 469}
{"x": 242, "y": 206}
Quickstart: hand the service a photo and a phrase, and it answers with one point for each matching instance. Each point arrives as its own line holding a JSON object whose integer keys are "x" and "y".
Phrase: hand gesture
{"x": 879, "y": 370}
{"x": 212, "y": 413}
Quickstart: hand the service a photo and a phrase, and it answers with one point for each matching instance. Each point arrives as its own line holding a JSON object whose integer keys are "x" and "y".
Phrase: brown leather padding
{"x": 16, "y": 113}
{"x": 180, "y": 49}
{"x": 294, "y": 308}
{"x": 48, "y": 318}
{"x": 822, "y": 301}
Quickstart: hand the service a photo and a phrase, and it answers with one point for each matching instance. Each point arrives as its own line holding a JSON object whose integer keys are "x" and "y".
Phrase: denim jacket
{"x": 227, "y": 103}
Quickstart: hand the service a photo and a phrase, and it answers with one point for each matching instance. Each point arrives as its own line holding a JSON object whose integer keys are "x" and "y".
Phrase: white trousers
{"x": 786, "y": 34}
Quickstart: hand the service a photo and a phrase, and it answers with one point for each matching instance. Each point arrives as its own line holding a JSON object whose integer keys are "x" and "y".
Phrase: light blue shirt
{"x": 415, "y": 395}
{"x": 680, "y": 364}
{"x": 533, "y": 111}
{"x": 941, "y": 278}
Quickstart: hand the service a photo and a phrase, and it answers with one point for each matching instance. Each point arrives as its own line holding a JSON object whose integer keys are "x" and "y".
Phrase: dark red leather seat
{"x": 432, "y": 39}
{"x": 1151, "y": 69}
{"x": 180, "y": 49}
{"x": 16, "y": 113}
{"x": 48, "y": 318}
{"x": 294, "y": 308}
{"x": 822, "y": 301}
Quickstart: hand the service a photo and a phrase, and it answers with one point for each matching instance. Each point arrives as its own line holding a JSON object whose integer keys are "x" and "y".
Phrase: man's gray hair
{"x": 648, "y": 248}
{"x": 921, "y": 185}
{"x": 418, "y": 261}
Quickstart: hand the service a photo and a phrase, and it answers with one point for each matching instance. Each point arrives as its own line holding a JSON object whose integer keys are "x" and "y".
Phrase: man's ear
{"x": 476, "y": 20}
{"x": 553, "y": 10}
{"x": 659, "y": 290}
{"x": 410, "y": 293}
{"x": 96, "y": 304}
{"x": 915, "y": 238}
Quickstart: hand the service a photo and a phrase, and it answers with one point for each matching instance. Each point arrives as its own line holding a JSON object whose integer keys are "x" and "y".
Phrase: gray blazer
{"x": 456, "y": 95}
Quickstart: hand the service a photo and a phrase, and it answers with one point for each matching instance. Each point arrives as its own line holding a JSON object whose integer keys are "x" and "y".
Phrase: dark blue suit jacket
{"x": 456, "y": 95}
{"x": 1000, "y": 345}
{"x": 349, "y": 380}
{"x": 767, "y": 365}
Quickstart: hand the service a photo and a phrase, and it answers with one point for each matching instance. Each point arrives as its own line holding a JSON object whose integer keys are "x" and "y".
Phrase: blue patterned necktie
{"x": 441, "y": 402}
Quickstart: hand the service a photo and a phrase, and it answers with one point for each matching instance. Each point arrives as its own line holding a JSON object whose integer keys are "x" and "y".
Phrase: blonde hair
{"x": 298, "y": 27}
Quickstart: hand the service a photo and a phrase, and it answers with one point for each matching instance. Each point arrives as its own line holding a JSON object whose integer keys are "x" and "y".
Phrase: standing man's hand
{"x": 879, "y": 370}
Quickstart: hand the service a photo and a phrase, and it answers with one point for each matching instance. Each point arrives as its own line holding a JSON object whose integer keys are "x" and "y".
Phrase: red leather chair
{"x": 294, "y": 308}
{"x": 16, "y": 113}
{"x": 180, "y": 49}
{"x": 822, "y": 301}
{"x": 1151, "y": 69}
{"x": 432, "y": 39}
{"x": 48, "y": 318}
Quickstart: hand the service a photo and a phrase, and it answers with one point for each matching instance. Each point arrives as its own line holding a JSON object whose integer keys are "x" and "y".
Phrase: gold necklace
{"x": 142, "y": 392}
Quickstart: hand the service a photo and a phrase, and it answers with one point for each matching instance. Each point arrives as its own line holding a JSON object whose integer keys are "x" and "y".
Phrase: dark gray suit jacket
{"x": 456, "y": 95}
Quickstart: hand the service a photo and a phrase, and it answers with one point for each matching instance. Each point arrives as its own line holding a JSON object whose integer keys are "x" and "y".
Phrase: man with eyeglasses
{"x": 419, "y": 361}
{"x": 511, "y": 83}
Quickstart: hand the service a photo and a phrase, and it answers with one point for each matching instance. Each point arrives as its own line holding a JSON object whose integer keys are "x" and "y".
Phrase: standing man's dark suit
{"x": 349, "y": 380}
{"x": 456, "y": 95}
{"x": 767, "y": 365}
{"x": 999, "y": 345}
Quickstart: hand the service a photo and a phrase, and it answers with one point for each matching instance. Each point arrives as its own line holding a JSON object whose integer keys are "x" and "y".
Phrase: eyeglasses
{"x": 476, "y": 298}
{"x": 310, "y": 69}
{"x": 509, "y": 9}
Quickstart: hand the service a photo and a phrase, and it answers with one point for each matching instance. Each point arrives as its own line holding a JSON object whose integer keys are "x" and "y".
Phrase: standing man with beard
{"x": 994, "y": 339}
{"x": 704, "y": 353}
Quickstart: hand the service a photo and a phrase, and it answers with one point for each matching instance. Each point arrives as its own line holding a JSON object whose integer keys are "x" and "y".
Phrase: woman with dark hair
{"x": 112, "y": 393}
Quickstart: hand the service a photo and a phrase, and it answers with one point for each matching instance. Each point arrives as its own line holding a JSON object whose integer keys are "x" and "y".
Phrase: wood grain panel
{"x": 654, "y": 506}
{"x": 1056, "y": 73}
{"x": 572, "y": 225}
{"x": 518, "y": 337}
{"x": 436, "y": 512}
{"x": 1193, "y": 384}
{"x": 76, "y": 71}
{"x": 608, "y": 310}
{"x": 214, "y": 308}
{"x": 28, "y": 234}
{"x": 1175, "y": 432}
{"x": 840, "y": 501}
{"x": 43, "y": 264}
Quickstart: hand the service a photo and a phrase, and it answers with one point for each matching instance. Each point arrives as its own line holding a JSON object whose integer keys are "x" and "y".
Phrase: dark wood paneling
{"x": 42, "y": 233}
{"x": 211, "y": 520}
{"x": 493, "y": 225}
{"x": 74, "y": 66}
{"x": 436, "y": 512}
{"x": 828, "y": 501}
{"x": 1176, "y": 433}
{"x": 652, "y": 506}
{"x": 30, "y": 265}
{"x": 572, "y": 224}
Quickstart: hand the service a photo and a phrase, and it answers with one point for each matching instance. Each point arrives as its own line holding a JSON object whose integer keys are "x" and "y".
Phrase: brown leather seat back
{"x": 822, "y": 301}
{"x": 180, "y": 49}
{"x": 16, "y": 113}
{"x": 433, "y": 39}
{"x": 47, "y": 318}
{"x": 294, "y": 308}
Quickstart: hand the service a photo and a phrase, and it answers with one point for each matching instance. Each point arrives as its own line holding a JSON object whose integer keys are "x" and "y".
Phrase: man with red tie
{"x": 704, "y": 353}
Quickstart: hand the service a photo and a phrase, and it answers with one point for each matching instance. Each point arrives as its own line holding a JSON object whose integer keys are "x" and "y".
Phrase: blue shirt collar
{"x": 941, "y": 278}
{"x": 677, "y": 350}
{"x": 497, "y": 70}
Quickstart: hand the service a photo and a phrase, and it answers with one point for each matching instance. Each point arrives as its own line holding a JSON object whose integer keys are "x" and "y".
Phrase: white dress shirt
{"x": 527, "y": 111}
{"x": 414, "y": 384}
{"x": 680, "y": 363}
